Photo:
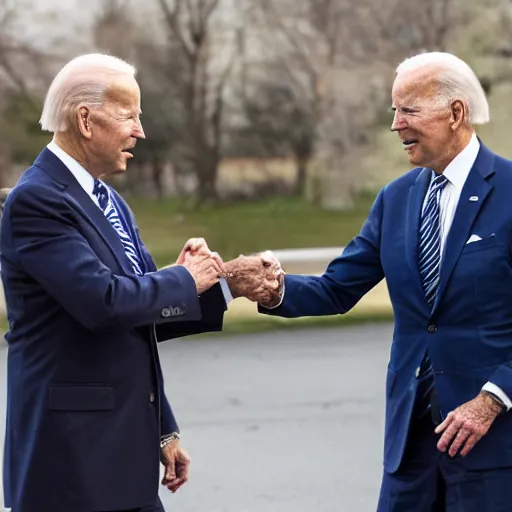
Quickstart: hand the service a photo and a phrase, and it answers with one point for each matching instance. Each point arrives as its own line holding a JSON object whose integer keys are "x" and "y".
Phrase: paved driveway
{"x": 282, "y": 422}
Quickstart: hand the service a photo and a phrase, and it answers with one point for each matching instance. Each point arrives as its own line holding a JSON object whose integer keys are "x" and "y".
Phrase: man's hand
{"x": 176, "y": 462}
{"x": 467, "y": 424}
{"x": 259, "y": 278}
{"x": 4, "y": 192}
{"x": 204, "y": 265}
{"x": 196, "y": 246}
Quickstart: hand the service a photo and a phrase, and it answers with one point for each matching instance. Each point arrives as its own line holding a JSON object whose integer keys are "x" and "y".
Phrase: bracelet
{"x": 164, "y": 440}
{"x": 497, "y": 400}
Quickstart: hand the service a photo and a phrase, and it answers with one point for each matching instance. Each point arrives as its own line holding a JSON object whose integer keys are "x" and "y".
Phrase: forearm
{"x": 329, "y": 294}
{"x": 347, "y": 278}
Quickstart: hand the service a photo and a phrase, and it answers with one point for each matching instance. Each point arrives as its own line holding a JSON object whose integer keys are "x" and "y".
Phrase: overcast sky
{"x": 44, "y": 20}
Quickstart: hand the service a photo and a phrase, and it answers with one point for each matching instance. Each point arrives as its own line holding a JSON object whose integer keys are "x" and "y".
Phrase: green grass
{"x": 233, "y": 229}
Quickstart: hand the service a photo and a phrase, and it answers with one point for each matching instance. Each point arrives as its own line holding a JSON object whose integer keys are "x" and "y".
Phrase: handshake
{"x": 259, "y": 278}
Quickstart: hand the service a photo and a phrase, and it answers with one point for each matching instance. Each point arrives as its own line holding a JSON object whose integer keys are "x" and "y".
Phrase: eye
{"x": 404, "y": 110}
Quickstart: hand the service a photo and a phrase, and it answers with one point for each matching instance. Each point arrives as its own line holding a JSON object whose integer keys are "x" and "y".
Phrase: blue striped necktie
{"x": 107, "y": 206}
{"x": 430, "y": 262}
{"x": 430, "y": 239}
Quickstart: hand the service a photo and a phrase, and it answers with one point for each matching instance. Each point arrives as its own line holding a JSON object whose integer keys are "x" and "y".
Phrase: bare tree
{"x": 22, "y": 79}
{"x": 206, "y": 55}
{"x": 336, "y": 57}
{"x": 22, "y": 64}
{"x": 303, "y": 56}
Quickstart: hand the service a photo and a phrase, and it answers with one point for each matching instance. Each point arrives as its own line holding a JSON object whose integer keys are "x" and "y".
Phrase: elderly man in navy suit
{"x": 87, "y": 418}
{"x": 441, "y": 235}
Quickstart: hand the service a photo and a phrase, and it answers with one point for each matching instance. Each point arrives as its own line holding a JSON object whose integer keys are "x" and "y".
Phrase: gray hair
{"x": 457, "y": 81}
{"x": 82, "y": 81}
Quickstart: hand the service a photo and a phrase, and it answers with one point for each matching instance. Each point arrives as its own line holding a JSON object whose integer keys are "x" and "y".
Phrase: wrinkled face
{"x": 424, "y": 123}
{"x": 114, "y": 127}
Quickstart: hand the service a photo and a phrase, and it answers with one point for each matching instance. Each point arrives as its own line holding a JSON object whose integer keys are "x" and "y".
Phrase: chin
{"x": 415, "y": 159}
{"x": 120, "y": 169}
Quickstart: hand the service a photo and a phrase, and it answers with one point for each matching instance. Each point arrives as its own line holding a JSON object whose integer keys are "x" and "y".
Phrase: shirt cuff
{"x": 228, "y": 296}
{"x": 279, "y": 303}
{"x": 496, "y": 390}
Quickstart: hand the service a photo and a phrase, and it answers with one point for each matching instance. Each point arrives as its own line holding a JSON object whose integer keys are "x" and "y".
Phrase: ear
{"x": 84, "y": 121}
{"x": 458, "y": 114}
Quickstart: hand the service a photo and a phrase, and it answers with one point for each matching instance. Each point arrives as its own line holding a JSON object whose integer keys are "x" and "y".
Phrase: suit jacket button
{"x": 166, "y": 312}
{"x": 431, "y": 328}
{"x": 152, "y": 397}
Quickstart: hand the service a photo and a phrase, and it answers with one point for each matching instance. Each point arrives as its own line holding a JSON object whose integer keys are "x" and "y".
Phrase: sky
{"x": 43, "y": 21}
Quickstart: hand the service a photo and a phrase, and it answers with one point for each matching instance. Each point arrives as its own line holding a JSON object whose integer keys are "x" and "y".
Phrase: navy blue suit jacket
{"x": 85, "y": 395}
{"x": 469, "y": 332}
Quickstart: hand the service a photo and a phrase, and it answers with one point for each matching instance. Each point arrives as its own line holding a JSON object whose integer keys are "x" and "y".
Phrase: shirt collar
{"x": 81, "y": 175}
{"x": 458, "y": 169}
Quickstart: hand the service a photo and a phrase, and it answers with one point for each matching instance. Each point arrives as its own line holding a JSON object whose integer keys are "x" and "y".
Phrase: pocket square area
{"x": 473, "y": 238}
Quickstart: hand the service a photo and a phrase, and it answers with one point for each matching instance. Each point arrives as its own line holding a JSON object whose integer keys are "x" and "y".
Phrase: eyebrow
{"x": 393, "y": 108}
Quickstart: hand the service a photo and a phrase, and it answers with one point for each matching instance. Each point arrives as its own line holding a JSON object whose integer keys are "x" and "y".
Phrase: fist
{"x": 258, "y": 278}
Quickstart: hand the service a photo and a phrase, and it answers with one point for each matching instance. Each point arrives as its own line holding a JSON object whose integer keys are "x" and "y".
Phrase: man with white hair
{"x": 87, "y": 418}
{"x": 441, "y": 235}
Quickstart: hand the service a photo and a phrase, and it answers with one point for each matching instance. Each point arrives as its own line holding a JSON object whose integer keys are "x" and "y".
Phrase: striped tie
{"x": 429, "y": 265}
{"x": 103, "y": 195}
{"x": 430, "y": 239}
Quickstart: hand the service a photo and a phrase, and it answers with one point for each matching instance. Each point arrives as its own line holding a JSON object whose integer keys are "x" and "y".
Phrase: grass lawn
{"x": 280, "y": 223}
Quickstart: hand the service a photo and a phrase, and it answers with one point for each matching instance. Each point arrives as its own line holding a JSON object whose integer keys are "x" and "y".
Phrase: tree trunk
{"x": 206, "y": 172}
{"x": 157, "y": 172}
{"x": 301, "y": 173}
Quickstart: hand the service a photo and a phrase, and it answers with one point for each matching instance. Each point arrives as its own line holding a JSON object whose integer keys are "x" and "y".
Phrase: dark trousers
{"x": 431, "y": 481}
{"x": 157, "y": 507}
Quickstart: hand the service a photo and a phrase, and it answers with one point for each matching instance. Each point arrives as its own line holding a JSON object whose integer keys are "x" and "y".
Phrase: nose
{"x": 138, "y": 131}
{"x": 398, "y": 122}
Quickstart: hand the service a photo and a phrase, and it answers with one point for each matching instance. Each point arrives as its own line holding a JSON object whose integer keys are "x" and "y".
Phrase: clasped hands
{"x": 259, "y": 277}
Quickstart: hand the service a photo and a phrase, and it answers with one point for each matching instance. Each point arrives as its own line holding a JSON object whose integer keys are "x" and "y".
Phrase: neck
{"x": 68, "y": 142}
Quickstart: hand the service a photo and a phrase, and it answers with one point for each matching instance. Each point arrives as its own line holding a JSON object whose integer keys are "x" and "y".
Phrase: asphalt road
{"x": 279, "y": 422}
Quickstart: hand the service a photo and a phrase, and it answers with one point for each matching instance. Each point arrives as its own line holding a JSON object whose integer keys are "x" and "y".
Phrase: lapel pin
{"x": 473, "y": 198}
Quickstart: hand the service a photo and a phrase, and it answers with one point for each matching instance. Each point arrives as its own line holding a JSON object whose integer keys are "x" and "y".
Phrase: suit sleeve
{"x": 53, "y": 252}
{"x": 346, "y": 279}
{"x": 168, "y": 423}
{"x": 502, "y": 378}
{"x": 213, "y": 306}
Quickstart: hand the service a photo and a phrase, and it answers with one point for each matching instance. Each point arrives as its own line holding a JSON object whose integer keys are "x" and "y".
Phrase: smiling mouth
{"x": 409, "y": 142}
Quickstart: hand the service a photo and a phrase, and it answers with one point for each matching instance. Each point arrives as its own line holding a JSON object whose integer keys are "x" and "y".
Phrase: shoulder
{"x": 34, "y": 188}
{"x": 400, "y": 185}
{"x": 503, "y": 165}
{"x": 405, "y": 180}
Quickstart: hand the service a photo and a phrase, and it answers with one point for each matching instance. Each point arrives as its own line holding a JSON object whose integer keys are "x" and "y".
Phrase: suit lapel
{"x": 476, "y": 186}
{"x": 84, "y": 205}
{"x": 417, "y": 194}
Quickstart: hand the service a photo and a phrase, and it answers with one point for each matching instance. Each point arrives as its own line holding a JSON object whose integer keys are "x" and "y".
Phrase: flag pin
{"x": 473, "y": 198}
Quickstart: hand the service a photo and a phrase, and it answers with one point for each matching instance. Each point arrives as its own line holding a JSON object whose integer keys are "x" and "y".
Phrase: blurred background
{"x": 267, "y": 121}
{"x": 267, "y": 125}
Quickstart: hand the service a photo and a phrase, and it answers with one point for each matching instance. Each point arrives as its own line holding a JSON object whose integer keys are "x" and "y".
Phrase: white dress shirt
{"x": 457, "y": 173}
{"x": 86, "y": 181}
